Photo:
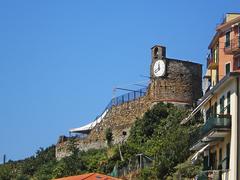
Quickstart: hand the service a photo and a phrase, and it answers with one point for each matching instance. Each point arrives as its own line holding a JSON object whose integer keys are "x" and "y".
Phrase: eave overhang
{"x": 222, "y": 28}
{"x": 228, "y": 24}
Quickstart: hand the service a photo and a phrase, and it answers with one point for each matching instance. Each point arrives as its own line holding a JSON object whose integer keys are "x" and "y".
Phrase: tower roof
{"x": 157, "y": 45}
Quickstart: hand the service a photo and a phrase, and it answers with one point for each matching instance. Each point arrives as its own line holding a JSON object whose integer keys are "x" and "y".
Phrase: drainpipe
{"x": 238, "y": 130}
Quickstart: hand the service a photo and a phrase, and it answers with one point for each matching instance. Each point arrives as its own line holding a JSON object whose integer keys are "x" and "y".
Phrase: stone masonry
{"x": 180, "y": 85}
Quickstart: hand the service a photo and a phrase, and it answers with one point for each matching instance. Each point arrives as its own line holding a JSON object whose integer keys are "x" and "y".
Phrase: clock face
{"x": 159, "y": 68}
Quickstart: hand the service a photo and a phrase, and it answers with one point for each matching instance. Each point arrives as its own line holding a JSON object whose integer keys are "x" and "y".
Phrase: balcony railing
{"x": 213, "y": 123}
{"x": 233, "y": 45}
{"x": 211, "y": 64}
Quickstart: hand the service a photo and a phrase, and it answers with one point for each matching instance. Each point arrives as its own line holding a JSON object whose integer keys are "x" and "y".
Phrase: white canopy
{"x": 89, "y": 126}
{"x": 196, "y": 109}
{"x": 194, "y": 158}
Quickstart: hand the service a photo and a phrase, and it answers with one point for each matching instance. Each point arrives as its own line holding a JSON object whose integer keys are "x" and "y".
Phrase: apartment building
{"x": 224, "y": 49}
{"x": 218, "y": 140}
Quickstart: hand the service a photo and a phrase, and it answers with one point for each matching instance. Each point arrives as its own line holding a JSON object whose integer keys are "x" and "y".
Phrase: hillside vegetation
{"x": 157, "y": 135}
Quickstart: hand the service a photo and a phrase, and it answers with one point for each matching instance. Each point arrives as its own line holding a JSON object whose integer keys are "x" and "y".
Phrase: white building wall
{"x": 232, "y": 87}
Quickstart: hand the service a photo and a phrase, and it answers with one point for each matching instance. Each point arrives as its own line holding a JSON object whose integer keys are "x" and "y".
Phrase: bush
{"x": 158, "y": 134}
{"x": 109, "y": 136}
{"x": 148, "y": 174}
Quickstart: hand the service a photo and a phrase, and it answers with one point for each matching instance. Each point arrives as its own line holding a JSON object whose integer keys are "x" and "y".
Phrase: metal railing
{"x": 211, "y": 61}
{"x": 210, "y": 124}
{"x": 232, "y": 45}
{"x": 235, "y": 43}
{"x": 136, "y": 163}
{"x": 131, "y": 96}
{"x": 215, "y": 122}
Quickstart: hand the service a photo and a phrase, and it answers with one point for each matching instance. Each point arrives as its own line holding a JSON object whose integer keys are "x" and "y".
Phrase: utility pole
{"x": 4, "y": 158}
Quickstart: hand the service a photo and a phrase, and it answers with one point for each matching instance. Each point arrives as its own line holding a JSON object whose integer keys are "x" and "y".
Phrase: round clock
{"x": 159, "y": 68}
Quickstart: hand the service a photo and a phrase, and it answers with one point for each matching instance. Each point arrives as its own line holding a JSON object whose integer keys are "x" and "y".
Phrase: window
{"x": 228, "y": 102}
{"x": 215, "y": 109}
{"x": 220, "y": 159}
{"x": 155, "y": 52}
{"x": 228, "y": 156}
{"x": 217, "y": 52}
{"x": 227, "y": 43}
{"x": 205, "y": 163}
{"x": 227, "y": 68}
{"x": 237, "y": 62}
{"x": 213, "y": 160}
{"x": 208, "y": 113}
{"x": 222, "y": 105}
{"x": 220, "y": 155}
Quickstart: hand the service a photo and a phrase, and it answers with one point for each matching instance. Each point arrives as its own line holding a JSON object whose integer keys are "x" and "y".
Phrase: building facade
{"x": 224, "y": 50}
{"x": 218, "y": 138}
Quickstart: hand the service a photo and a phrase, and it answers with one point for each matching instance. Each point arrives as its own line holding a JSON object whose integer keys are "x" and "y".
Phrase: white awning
{"x": 89, "y": 126}
{"x": 196, "y": 109}
{"x": 195, "y": 157}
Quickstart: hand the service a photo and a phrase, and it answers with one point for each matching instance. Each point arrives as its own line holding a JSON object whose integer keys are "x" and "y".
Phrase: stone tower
{"x": 157, "y": 53}
{"x": 173, "y": 80}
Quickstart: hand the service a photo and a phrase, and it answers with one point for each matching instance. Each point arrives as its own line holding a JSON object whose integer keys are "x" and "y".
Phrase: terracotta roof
{"x": 89, "y": 176}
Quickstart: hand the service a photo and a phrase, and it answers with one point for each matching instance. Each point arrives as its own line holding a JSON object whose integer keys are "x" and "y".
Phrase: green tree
{"x": 109, "y": 136}
{"x": 159, "y": 134}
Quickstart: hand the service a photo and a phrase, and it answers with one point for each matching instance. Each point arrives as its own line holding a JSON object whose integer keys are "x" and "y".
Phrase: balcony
{"x": 210, "y": 62}
{"x": 235, "y": 43}
{"x": 233, "y": 46}
{"x": 216, "y": 124}
{"x": 215, "y": 129}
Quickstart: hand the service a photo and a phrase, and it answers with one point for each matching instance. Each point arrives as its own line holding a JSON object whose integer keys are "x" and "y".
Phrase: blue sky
{"x": 60, "y": 60}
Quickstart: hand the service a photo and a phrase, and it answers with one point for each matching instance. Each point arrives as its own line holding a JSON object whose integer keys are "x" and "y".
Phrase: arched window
{"x": 155, "y": 52}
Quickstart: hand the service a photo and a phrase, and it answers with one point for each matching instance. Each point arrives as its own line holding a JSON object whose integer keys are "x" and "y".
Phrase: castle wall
{"x": 181, "y": 84}
{"x": 119, "y": 118}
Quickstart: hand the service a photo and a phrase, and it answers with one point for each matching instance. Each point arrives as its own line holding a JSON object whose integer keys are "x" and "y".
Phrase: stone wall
{"x": 62, "y": 149}
{"x": 119, "y": 119}
{"x": 181, "y": 85}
